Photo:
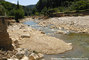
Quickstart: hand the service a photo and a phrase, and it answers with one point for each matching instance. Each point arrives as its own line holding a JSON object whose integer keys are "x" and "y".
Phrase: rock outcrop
{"x": 5, "y": 41}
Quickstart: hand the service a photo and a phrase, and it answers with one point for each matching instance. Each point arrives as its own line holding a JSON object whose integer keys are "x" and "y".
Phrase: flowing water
{"x": 80, "y": 42}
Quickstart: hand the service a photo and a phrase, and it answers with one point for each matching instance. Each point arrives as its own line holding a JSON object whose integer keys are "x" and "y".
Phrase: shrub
{"x": 19, "y": 13}
{"x": 2, "y": 10}
{"x": 44, "y": 11}
{"x": 80, "y": 5}
{"x": 36, "y": 13}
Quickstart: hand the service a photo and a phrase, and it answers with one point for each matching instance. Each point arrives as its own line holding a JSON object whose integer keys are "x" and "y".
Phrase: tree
{"x": 81, "y": 5}
{"x": 2, "y": 10}
{"x": 19, "y": 13}
{"x": 44, "y": 11}
{"x": 39, "y": 6}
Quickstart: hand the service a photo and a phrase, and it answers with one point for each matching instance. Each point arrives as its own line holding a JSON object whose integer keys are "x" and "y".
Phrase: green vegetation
{"x": 11, "y": 10}
{"x": 8, "y": 6}
{"x": 80, "y": 5}
{"x": 2, "y": 10}
{"x": 44, "y": 7}
{"x": 57, "y": 6}
{"x": 18, "y": 13}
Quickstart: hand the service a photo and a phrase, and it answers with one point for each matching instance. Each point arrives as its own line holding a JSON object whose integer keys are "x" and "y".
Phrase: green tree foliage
{"x": 81, "y": 5}
{"x": 44, "y": 11}
{"x": 10, "y": 8}
{"x": 33, "y": 10}
{"x": 52, "y": 6}
{"x": 28, "y": 9}
{"x": 19, "y": 13}
{"x": 2, "y": 10}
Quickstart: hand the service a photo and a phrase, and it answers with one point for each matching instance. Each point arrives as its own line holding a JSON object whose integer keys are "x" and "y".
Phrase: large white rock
{"x": 35, "y": 56}
{"x": 13, "y": 59}
{"x": 25, "y": 58}
{"x": 40, "y": 55}
{"x": 26, "y": 35}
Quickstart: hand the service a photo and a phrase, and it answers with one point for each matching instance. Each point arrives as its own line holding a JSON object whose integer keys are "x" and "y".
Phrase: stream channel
{"x": 80, "y": 42}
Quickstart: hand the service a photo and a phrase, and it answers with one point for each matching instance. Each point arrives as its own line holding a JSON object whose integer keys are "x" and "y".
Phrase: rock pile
{"x": 79, "y": 24}
{"x": 20, "y": 32}
{"x": 25, "y": 54}
{"x": 38, "y": 41}
{"x": 4, "y": 55}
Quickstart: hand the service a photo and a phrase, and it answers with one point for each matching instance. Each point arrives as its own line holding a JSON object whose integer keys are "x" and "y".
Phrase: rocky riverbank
{"x": 36, "y": 40}
{"x": 31, "y": 44}
{"x": 78, "y": 24}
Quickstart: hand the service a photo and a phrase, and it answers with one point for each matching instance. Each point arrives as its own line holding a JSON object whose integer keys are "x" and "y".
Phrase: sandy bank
{"x": 36, "y": 41}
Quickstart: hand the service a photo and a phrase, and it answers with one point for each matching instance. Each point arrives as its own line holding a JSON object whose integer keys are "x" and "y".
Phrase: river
{"x": 80, "y": 42}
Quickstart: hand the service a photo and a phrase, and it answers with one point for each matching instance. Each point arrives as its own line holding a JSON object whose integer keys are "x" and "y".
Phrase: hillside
{"x": 57, "y": 6}
{"x": 47, "y": 7}
{"x": 6, "y": 7}
{"x": 10, "y": 8}
{"x": 30, "y": 6}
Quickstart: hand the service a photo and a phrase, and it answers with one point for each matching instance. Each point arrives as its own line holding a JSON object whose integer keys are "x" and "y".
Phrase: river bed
{"x": 80, "y": 42}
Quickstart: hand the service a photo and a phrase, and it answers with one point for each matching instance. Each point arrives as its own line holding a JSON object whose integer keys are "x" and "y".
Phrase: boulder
{"x": 13, "y": 59}
{"x": 22, "y": 53}
{"x": 26, "y": 35}
{"x": 31, "y": 58}
{"x": 25, "y": 58}
{"x": 40, "y": 55}
{"x": 35, "y": 56}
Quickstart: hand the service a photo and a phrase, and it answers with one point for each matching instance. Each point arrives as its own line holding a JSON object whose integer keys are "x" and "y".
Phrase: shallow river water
{"x": 80, "y": 42}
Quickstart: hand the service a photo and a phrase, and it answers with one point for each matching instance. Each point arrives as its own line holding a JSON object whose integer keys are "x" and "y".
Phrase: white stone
{"x": 25, "y": 35}
{"x": 60, "y": 31}
{"x": 40, "y": 55}
{"x": 34, "y": 55}
{"x": 25, "y": 58}
{"x": 69, "y": 43}
{"x": 20, "y": 53}
{"x": 13, "y": 59}
{"x": 60, "y": 28}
